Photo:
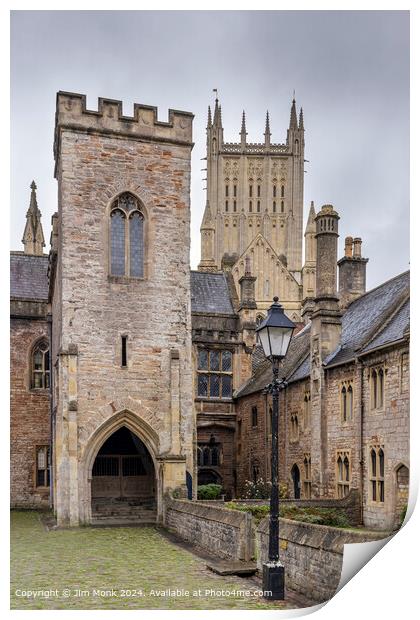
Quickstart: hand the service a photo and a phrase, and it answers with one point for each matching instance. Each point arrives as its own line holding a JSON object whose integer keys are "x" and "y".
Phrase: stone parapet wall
{"x": 222, "y": 532}
{"x": 312, "y": 554}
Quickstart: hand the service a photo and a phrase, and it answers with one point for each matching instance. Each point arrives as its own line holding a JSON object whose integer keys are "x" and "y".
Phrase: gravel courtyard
{"x": 117, "y": 568}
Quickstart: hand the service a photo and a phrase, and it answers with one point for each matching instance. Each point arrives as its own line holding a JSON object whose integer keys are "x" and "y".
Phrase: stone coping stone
{"x": 226, "y": 567}
{"x": 323, "y": 537}
{"x": 228, "y": 516}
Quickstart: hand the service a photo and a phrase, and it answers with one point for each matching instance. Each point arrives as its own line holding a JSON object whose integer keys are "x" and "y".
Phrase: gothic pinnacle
{"x": 293, "y": 116}
{"x": 209, "y": 118}
{"x": 267, "y": 132}
{"x": 243, "y": 126}
{"x": 33, "y": 236}
{"x": 301, "y": 119}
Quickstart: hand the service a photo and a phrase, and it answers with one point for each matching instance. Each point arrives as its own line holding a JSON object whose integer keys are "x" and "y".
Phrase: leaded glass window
{"x": 136, "y": 245}
{"x": 377, "y": 474}
{"x": 214, "y": 373}
{"x": 40, "y": 378}
{"x": 43, "y": 466}
{"x": 127, "y": 238}
{"x": 343, "y": 474}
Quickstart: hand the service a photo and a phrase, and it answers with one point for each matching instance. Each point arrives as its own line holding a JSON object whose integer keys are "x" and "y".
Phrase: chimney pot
{"x": 348, "y": 247}
{"x": 357, "y": 247}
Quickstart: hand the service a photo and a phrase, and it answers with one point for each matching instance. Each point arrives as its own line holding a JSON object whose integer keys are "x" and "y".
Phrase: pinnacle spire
{"x": 209, "y": 118}
{"x": 301, "y": 119}
{"x": 33, "y": 236}
{"x": 293, "y": 116}
{"x": 243, "y": 126}
{"x": 311, "y": 225}
{"x": 267, "y": 132}
{"x": 217, "y": 116}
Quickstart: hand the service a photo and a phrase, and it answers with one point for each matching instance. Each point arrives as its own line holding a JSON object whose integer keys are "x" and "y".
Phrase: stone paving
{"x": 119, "y": 568}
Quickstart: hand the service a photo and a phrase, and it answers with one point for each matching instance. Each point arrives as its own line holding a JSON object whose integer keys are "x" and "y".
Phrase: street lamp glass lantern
{"x": 275, "y": 332}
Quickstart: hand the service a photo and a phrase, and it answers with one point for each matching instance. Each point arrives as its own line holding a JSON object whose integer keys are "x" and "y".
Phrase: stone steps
{"x": 129, "y": 511}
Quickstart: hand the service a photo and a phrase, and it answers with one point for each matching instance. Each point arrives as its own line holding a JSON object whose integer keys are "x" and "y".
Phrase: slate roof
{"x": 210, "y": 293}
{"x": 379, "y": 317}
{"x": 296, "y": 355}
{"x": 367, "y": 314}
{"x": 393, "y": 330}
{"x": 28, "y": 276}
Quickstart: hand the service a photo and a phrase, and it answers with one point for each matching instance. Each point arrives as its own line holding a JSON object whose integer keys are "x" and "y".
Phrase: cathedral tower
{"x": 254, "y": 209}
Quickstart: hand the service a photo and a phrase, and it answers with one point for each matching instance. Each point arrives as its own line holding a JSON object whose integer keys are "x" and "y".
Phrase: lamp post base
{"x": 273, "y": 581}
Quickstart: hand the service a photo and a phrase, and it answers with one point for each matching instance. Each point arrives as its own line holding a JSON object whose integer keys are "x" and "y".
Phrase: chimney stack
{"x": 326, "y": 316}
{"x": 352, "y": 272}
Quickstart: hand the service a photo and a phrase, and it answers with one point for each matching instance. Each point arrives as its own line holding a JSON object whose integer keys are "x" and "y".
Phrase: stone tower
{"x": 33, "y": 236}
{"x": 121, "y": 334}
{"x": 254, "y": 209}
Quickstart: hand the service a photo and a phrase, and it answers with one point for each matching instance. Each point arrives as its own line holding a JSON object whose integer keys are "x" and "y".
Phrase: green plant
{"x": 209, "y": 491}
{"x": 403, "y": 514}
{"x": 258, "y": 511}
{"x": 312, "y": 514}
{"x": 261, "y": 489}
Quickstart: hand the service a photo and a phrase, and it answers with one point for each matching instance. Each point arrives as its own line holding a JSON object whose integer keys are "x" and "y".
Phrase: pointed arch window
{"x": 377, "y": 474}
{"x": 40, "y": 371}
{"x": 282, "y": 191}
{"x": 307, "y": 481}
{"x": 127, "y": 237}
{"x": 377, "y": 385}
{"x": 347, "y": 401}
{"x": 343, "y": 474}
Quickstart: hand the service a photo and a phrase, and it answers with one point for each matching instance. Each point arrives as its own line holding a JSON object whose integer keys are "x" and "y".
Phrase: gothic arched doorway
{"x": 402, "y": 480}
{"x": 295, "y": 472}
{"x": 123, "y": 479}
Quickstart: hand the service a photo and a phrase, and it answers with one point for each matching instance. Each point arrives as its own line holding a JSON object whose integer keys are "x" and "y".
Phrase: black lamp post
{"x": 274, "y": 334}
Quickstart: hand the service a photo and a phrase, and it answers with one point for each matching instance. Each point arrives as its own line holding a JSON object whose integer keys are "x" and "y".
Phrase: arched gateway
{"x": 123, "y": 484}
{"x": 122, "y": 471}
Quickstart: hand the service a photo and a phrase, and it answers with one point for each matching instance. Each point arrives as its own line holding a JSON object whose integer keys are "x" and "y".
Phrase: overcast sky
{"x": 350, "y": 72}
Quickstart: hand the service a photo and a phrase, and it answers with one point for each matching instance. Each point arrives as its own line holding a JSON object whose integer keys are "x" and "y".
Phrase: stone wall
{"x": 29, "y": 415}
{"x": 311, "y": 554}
{"x": 222, "y": 532}
{"x": 99, "y": 155}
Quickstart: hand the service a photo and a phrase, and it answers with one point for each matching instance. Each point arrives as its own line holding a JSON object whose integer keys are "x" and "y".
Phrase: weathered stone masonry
{"x": 98, "y": 156}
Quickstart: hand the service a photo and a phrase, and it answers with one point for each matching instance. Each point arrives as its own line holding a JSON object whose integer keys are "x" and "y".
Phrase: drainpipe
{"x": 49, "y": 322}
{"x": 361, "y": 461}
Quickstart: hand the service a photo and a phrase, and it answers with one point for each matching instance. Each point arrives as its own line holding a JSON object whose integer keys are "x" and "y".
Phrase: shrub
{"x": 209, "y": 491}
{"x": 257, "y": 511}
{"x": 261, "y": 489}
{"x": 318, "y": 516}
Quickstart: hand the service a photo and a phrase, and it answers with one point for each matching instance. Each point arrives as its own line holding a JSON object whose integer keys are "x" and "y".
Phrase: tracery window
{"x": 343, "y": 474}
{"x": 209, "y": 454}
{"x": 274, "y": 206}
{"x": 126, "y": 237}
{"x": 377, "y": 383}
{"x": 307, "y": 481}
{"x": 214, "y": 373}
{"x": 282, "y": 206}
{"x": 346, "y": 401}
{"x": 42, "y": 466}
{"x": 377, "y": 474}
{"x": 40, "y": 373}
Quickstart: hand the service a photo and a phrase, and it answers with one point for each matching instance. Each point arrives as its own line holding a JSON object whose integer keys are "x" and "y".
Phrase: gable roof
{"x": 298, "y": 352}
{"x": 377, "y": 318}
{"x": 366, "y": 315}
{"x": 28, "y": 276}
{"x": 210, "y": 293}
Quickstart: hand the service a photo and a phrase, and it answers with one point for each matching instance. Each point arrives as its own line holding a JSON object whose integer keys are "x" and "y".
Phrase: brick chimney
{"x": 351, "y": 272}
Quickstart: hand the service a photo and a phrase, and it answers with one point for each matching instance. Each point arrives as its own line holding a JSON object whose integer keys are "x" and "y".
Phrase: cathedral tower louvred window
{"x": 127, "y": 237}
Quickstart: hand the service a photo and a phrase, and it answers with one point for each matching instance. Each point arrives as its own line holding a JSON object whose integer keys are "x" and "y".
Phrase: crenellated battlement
{"x": 71, "y": 112}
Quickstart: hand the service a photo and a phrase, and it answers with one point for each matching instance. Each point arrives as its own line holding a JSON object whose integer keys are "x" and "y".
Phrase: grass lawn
{"x": 132, "y": 559}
